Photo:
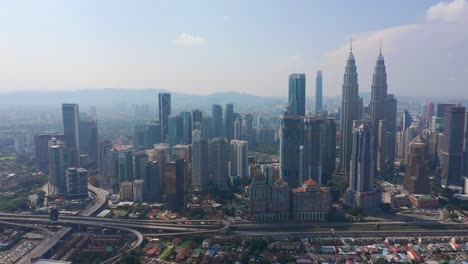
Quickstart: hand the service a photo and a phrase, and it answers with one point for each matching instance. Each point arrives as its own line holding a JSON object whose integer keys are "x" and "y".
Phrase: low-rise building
{"x": 423, "y": 201}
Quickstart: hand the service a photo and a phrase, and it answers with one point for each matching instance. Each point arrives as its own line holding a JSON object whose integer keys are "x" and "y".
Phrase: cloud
{"x": 188, "y": 40}
{"x": 448, "y": 11}
{"x": 420, "y": 58}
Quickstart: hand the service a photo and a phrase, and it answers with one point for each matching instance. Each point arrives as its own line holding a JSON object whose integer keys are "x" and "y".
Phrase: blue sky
{"x": 211, "y": 46}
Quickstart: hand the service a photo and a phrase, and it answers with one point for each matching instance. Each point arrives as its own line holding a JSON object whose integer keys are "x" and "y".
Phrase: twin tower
{"x": 368, "y": 141}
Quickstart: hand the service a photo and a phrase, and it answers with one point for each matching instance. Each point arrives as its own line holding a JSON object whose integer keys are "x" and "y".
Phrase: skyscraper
{"x": 89, "y": 139}
{"x": 173, "y": 130}
{"x": 200, "y": 172}
{"x": 217, "y": 121}
{"x": 164, "y": 113}
{"x": 297, "y": 95}
{"x": 349, "y": 112}
{"x": 239, "y": 159}
{"x": 141, "y": 158}
{"x": 218, "y": 161}
{"x": 328, "y": 139}
{"x": 312, "y": 158}
{"x": 77, "y": 182}
{"x": 71, "y": 132}
{"x": 229, "y": 121}
{"x": 126, "y": 165}
{"x": 140, "y": 133}
{"x": 186, "y": 120}
{"x": 417, "y": 170}
{"x": 291, "y": 137}
{"x": 197, "y": 119}
{"x": 152, "y": 189}
{"x": 206, "y": 130}
{"x": 153, "y": 134}
{"x": 176, "y": 175}
{"x": 57, "y": 167}
{"x": 452, "y": 148}
{"x": 104, "y": 148}
{"x": 318, "y": 93}
{"x": 361, "y": 190}
{"x": 247, "y": 129}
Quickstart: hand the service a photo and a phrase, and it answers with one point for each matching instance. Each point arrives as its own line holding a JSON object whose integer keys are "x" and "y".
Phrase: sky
{"x": 205, "y": 46}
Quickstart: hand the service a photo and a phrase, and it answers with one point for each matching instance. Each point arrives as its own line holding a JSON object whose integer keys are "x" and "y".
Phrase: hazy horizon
{"x": 204, "y": 47}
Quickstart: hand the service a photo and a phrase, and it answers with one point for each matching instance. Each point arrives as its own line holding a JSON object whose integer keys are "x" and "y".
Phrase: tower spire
{"x": 351, "y": 45}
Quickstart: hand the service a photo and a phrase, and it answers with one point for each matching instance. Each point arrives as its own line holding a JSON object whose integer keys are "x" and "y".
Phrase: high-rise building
{"x": 291, "y": 137}
{"x": 162, "y": 156}
{"x": 361, "y": 190}
{"x": 238, "y": 128}
{"x": 406, "y": 120}
{"x": 318, "y": 93}
{"x": 465, "y": 148}
{"x": 126, "y": 191}
{"x": 247, "y": 129}
{"x": 174, "y": 131}
{"x": 312, "y": 156}
{"x": 297, "y": 95}
{"x": 104, "y": 148}
{"x": 175, "y": 181}
{"x": 382, "y": 117}
{"x": 417, "y": 170}
{"x": 239, "y": 159}
{"x": 207, "y": 127}
{"x": 229, "y": 121}
{"x": 71, "y": 132}
{"x": 77, "y": 182}
{"x": 328, "y": 140}
{"x": 186, "y": 119}
{"x": 41, "y": 148}
{"x": 140, "y": 133}
{"x": 138, "y": 191}
{"x": 152, "y": 189}
{"x": 269, "y": 201}
{"x": 217, "y": 121}
{"x": 153, "y": 134}
{"x": 126, "y": 165}
{"x": 349, "y": 112}
{"x": 57, "y": 165}
{"x": 218, "y": 161}
{"x": 200, "y": 171}
{"x": 164, "y": 113}
{"x": 181, "y": 152}
{"x": 89, "y": 140}
{"x": 441, "y": 108}
{"x": 141, "y": 158}
{"x": 452, "y": 147}
{"x": 197, "y": 119}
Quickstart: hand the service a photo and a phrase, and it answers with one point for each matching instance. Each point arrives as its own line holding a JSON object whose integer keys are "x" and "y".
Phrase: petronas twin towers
{"x": 382, "y": 121}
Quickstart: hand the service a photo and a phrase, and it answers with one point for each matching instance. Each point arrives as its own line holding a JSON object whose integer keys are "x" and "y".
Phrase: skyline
{"x": 86, "y": 45}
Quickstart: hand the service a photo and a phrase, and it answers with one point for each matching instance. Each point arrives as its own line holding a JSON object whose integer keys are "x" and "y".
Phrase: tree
{"x": 385, "y": 207}
{"x": 356, "y": 211}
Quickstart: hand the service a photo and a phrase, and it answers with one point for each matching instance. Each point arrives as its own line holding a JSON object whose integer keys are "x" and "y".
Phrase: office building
{"x": 297, "y": 95}
{"x": 200, "y": 169}
{"x": 349, "y": 112}
{"x": 229, "y": 121}
{"x": 452, "y": 147}
{"x": 238, "y": 128}
{"x": 417, "y": 169}
{"x": 269, "y": 202}
{"x": 217, "y": 121}
{"x": 181, "y": 152}
{"x": 89, "y": 140}
{"x": 71, "y": 133}
{"x": 197, "y": 119}
{"x": 104, "y": 148}
{"x": 186, "y": 125}
{"x": 328, "y": 149}
{"x": 207, "y": 128}
{"x": 174, "y": 131}
{"x": 239, "y": 159}
{"x": 77, "y": 182}
{"x": 141, "y": 158}
{"x": 162, "y": 156}
{"x": 310, "y": 202}
{"x": 57, "y": 165}
{"x": 264, "y": 136}
{"x": 125, "y": 169}
{"x": 138, "y": 191}
{"x": 140, "y": 133}
{"x": 291, "y": 137}
{"x": 218, "y": 162}
{"x": 41, "y": 148}
{"x": 175, "y": 182}
{"x": 318, "y": 93}
{"x": 164, "y": 113}
{"x": 247, "y": 129}
{"x": 153, "y": 134}
{"x": 152, "y": 189}
{"x": 361, "y": 191}
{"x": 441, "y": 108}
{"x": 126, "y": 191}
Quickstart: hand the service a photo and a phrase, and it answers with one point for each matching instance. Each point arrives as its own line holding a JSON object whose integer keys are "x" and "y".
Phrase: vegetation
{"x": 166, "y": 253}
{"x": 266, "y": 149}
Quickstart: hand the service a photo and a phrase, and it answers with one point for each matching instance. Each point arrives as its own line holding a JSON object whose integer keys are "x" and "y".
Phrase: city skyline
{"x": 142, "y": 60}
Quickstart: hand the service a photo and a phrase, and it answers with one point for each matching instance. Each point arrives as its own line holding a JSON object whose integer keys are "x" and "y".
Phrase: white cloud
{"x": 448, "y": 11}
{"x": 416, "y": 55}
{"x": 188, "y": 40}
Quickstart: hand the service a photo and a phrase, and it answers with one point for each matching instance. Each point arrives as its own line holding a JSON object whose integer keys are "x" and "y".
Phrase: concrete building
{"x": 217, "y": 121}
{"x": 291, "y": 137}
{"x": 41, "y": 148}
{"x": 297, "y": 94}
{"x": 310, "y": 202}
{"x": 229, "y": 121}
{"x": 269, "y": 202}
{"x": 57, "y": 165}
{"x": 318, "y": 93}
{"x": 138, "y": 191}
{"x": 104, "y": 147}
{"x": 181, "y": 152}
{"x": 175, "y": 182}
{"x": 77, "y": 182}
{"x": 417, "y": 169}
{"x": 239, "y": 159}
{"x": 452, "y": 148}
{"x": 247, "y": 129}
{"x": 71, "y": 133}
{"x": 152, "y": 189}
{"x": 126, "y": 191}
{"x": 218, "y": 161}
{"x": 361, "y": 191}
{"x": 141, "y": 158}
{"x": 200, "y": 167}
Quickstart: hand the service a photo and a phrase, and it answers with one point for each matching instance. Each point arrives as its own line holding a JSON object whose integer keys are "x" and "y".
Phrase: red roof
{"x": 310, "y": 182}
